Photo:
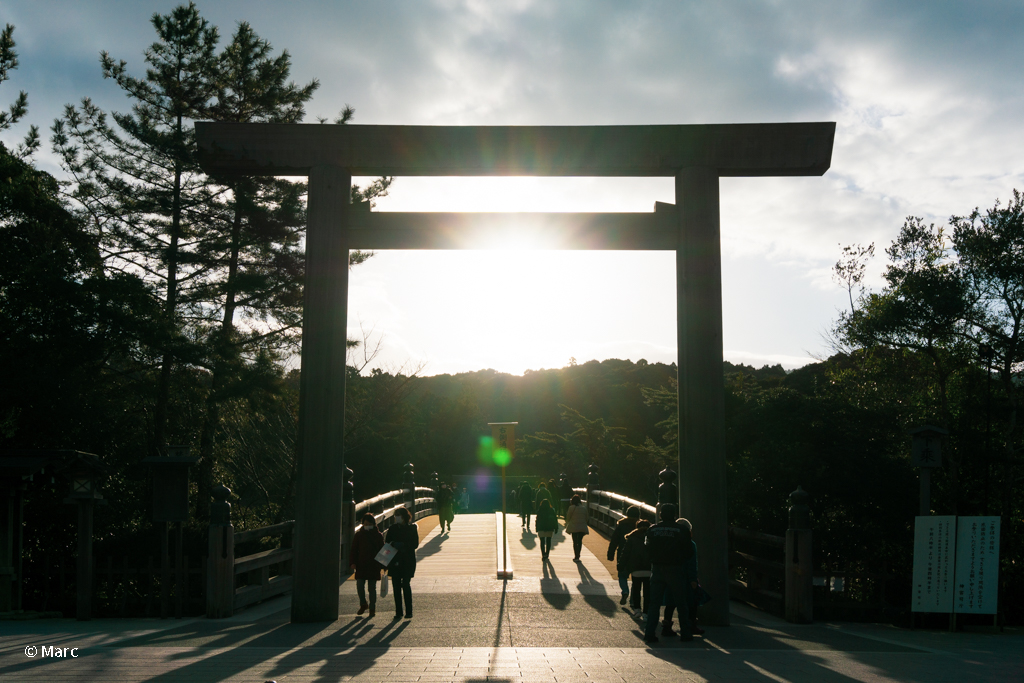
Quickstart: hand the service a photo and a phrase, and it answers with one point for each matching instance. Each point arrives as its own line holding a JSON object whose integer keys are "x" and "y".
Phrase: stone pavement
{"x": 559, "y": 627}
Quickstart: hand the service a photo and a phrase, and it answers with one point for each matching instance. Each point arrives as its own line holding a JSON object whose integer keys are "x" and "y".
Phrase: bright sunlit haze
{"x": 922, "y": 130}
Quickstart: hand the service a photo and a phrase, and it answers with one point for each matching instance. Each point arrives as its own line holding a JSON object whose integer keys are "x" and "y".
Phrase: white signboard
{"x": 977, "y": 565}
{"x": 934, "y": 539}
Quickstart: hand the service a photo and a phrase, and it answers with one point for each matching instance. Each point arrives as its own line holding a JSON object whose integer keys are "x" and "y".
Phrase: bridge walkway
{"x": 551, "y": 623}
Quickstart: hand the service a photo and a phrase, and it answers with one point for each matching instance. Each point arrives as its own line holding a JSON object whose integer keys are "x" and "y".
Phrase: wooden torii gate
{"x": 695, "y": 155}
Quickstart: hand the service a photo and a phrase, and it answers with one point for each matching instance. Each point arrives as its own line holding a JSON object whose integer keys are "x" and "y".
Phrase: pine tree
{"x": 140, "y": 185}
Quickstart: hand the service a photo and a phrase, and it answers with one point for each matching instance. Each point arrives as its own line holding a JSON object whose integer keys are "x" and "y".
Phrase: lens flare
{"x": 502, "y": 457}
{"x": 485, "y": 451}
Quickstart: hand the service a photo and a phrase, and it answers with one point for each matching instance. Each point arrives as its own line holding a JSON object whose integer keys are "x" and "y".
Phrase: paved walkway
{"x": 566, "y": 626}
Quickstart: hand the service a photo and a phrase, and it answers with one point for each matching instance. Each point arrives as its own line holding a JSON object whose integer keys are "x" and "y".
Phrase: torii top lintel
{"x": 754, "y": 149}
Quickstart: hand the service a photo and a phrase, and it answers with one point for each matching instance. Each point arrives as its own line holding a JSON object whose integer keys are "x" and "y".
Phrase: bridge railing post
{"x": 409, "y": 484}
{"x": 348, "y": 520}
{"x": 799, "y": 568}
{"x": 220, "y": 575}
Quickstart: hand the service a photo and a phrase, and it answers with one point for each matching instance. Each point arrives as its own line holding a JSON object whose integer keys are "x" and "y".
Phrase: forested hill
{"x": 617, "y": 413}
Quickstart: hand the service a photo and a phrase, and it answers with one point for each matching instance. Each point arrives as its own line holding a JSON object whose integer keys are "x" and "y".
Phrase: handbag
{"x": 386, "y": 554}
{"x": 701, "y": 596}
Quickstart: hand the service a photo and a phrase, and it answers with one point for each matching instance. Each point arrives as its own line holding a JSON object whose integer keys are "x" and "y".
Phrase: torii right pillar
{"x": 702, "y": 483}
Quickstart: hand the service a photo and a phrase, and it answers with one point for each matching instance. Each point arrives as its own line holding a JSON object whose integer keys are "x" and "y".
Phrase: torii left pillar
{"x": 317, "y": 565}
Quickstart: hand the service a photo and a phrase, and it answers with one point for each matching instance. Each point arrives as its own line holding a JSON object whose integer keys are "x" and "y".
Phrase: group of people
{"x": 662, "y": 561}
{"x": 404, "y": 536}
{"x": 528, "y": 499}
{"x": 542, "y": 502}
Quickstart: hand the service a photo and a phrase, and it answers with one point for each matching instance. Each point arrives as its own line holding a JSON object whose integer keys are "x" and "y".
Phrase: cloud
{"x": 926, "y": 96}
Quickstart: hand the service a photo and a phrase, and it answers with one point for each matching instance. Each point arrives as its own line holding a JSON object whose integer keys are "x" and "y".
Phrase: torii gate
{"x": 696, "y": 156}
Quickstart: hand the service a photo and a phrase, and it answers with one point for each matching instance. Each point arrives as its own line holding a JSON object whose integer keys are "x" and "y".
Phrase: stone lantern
{"x": 170, "y": 506}
{"x": 83, "y": 470}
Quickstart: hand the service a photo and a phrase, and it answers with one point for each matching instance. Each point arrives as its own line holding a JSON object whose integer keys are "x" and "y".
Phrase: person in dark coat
{"x": 670, "y": 549}
{"x": 525, "y": 503}
{"x": 618, "y": 540}
{"x": 405, "y": 537}
{"x": 547, "y": 525}
{"x": 690, "y": 576}
{"x": 635, "y": 560}
{"x": 445, "y": 507}
{"x": 366, "y": 543}
{"x": 542, "y": 493}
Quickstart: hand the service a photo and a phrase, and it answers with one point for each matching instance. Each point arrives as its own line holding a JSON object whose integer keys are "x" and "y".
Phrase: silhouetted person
{"x": 635, "y": 559}
{"x": 576, "y": 525}
{"x": 670, "y": 549}
{"x": 404, "y": 535}
{"x": 366, "y": 543}
{"x": 547, "y": 525}
{"x": 445, "y": 507}
{"x": 542, "y": 493}
{"x": 525, "y": 504}
{"x": 618, "y": 540}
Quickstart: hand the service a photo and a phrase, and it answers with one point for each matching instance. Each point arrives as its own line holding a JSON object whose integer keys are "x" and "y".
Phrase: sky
{"x": 927, "y": 98}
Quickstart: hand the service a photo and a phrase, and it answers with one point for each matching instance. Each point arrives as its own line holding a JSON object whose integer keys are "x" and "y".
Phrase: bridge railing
{"x": 778, "y": 580}
{"x": 237, "y": 582}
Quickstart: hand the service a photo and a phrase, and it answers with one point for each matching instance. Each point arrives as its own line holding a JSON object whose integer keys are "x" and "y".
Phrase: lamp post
{"x": 503, "y": 443}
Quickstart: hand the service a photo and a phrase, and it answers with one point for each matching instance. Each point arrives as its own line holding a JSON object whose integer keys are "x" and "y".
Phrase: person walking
{"x": 525, "y": 503}
{"x": 617, "y": 542}
{"x": 670, "y": 547}
{"x": 366, "y": 543}
{"x": 445, "y": 507}
{"x": 636, "y": 560}
{"x": 405, "y": 537}
{"x": 576, "y": 525}
{"x": 543, "y": 493}
{"x": 547, "y": 525}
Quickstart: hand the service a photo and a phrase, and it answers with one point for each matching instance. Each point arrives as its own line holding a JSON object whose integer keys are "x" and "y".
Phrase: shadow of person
{"x": 528, "y": 539}
{"x": 431, "y": 547}
{"x": 594, "y": 592}
{"x": 554, "y": 591}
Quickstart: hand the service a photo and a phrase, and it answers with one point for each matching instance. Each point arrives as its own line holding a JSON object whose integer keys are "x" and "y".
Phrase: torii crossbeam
{"x": 696, "y": 156}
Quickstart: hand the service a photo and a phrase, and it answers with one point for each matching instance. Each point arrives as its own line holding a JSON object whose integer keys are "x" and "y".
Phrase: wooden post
{"x": 165, "y": 568}
{"x": 7, "y": 534}
{"x": 321, "y": 441}
{"x": 85, "y": 563}
{"x": 409, "y": 484}
{"x": 699, "y": 322}
{"x": 799, "y": 569}
{"x": 179, "y": 576}
{"x": 593, "y": 483}
{"x": 220, "y": 574}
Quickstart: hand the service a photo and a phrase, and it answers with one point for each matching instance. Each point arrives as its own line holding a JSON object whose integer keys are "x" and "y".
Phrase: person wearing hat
{"x": 617, "y": 543}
